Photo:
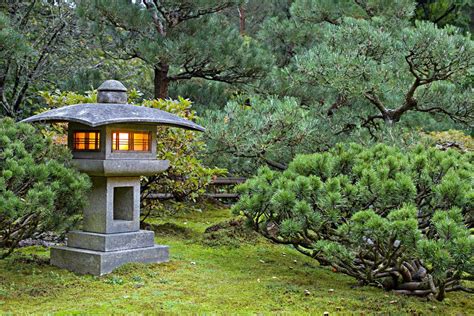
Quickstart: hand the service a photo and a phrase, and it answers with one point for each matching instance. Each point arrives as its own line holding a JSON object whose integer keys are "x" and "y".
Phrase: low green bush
{"x": 388, "y": 217}
{"x": 39, "y": 189}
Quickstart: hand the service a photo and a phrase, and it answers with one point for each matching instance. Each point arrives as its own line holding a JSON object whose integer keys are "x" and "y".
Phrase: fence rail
{"x": 215, "y": 189}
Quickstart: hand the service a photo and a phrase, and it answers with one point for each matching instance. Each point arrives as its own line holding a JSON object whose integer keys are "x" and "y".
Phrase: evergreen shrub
{"x": 393, "y": 218}
{"x": 39, "y": 189}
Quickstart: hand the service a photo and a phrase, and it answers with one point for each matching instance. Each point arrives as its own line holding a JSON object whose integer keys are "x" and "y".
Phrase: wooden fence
{"x": 219, "y": 188}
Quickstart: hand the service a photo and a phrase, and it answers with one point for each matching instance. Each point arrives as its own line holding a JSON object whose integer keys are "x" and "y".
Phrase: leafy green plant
{"x": 39, "y": 189}
{"x": 187, "y": 177}
{"x": 257, "y": 131}
{"x": 371, "y": 63}
{"x": 418, "y": 69}
{"x": 387, "y": 217}
{"x": 176, "y": 41}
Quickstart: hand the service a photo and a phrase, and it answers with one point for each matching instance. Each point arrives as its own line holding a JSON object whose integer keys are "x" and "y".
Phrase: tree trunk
{"x": 242, "y": 20}
{"x": 161, "y": 81}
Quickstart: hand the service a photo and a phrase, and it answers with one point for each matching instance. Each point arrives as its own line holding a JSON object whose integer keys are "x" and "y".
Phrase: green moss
{"x": 232, "y": 233}
{"x": 254, "y": 278}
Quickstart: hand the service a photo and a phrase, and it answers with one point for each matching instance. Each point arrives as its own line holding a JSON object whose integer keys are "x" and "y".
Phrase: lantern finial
{"x": 112, "y": 91}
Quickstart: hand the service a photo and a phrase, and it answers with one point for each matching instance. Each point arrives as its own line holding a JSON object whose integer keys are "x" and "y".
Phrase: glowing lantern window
{"x": 86, "y": 141}
{"x": 131, "y": 141}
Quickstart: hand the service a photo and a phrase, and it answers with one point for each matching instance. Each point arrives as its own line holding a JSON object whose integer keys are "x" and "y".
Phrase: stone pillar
{"x": 114, "y": 205}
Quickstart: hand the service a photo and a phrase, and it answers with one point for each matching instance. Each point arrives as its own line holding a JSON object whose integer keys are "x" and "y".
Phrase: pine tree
{"x": 178, "y": 40}
{"x": 397, "y": 219}
{"x": 40, "y": 191}
{"x": 372, "y": 59}
{"x": 39, "y": 43}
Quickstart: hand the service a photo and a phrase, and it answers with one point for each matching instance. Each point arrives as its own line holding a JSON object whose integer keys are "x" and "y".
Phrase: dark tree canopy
{"x": 39, "y": 43}
{"x": 178, "y": 40}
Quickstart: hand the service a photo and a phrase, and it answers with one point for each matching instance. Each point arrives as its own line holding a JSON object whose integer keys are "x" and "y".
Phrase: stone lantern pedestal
{"x": 111, "y": 234}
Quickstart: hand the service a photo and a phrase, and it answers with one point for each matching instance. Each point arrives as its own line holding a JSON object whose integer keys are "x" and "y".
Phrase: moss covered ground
{"x": 221, "y": 272}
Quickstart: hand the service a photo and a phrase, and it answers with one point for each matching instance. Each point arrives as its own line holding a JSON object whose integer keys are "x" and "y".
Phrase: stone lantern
{"x": 114, "y": 143}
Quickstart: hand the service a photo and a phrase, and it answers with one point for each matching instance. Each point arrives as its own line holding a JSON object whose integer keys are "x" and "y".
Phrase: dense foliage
{"x": 254, "y": 132}
{"x": 356, "y": 71}
{"x": 187, "y": 177}
{"x": 41, "y": 47}
{"x": 366, "y": 64}
{"x": 176, "y": 40}
{"x": 270, "y": 131}
{"x": 39, "y": 189}
{"x": 384, "y": 216}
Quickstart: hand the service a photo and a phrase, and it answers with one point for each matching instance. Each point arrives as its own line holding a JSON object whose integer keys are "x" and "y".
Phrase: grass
{"x": 257, "y": 277}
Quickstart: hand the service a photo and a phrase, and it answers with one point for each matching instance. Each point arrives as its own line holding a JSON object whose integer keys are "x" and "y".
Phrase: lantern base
{"x": 83, "y": 261}
{"x": 110, "y": 242}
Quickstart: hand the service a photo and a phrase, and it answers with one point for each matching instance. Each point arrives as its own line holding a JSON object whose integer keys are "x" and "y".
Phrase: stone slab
{"x": 110, "y": 242}
{"x": 121, "y": 167}
{"x": 98, "y": 263}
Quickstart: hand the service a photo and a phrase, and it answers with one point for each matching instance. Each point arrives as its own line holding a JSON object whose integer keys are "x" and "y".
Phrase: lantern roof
{"x": 97, "y": 114}
{"x": 111, "y": 110}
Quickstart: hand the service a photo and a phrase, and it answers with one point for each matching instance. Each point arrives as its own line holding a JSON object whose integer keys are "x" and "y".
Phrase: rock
{"x": 193, "y": 262}
{"x": 326, "y": 314}
{"x": 331, "y": 290}
{"x": 393, "y": 302}
{"x": 420, "y": 274}
{"x": 306, "y": 292}
{"x": 46, "y": 239}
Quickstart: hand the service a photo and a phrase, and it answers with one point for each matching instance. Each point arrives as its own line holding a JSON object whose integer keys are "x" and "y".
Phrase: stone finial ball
{"x": 112, "y": 91}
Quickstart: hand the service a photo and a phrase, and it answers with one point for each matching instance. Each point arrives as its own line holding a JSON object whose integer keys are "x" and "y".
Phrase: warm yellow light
{"x": 141, "y": 141}
{"x": 123, "y": 141}
{"x": 86, "y": 140}
{"x": 79, "y": 143}
{"x": 133, "y": 141}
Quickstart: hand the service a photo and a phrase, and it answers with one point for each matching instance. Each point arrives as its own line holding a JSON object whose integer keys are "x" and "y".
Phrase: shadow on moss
{"x": 170, "y": 230}
{"x": 233, "y": 233}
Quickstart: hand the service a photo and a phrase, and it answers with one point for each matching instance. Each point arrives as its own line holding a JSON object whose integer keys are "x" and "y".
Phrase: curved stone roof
{"x": 97, "y": 114}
